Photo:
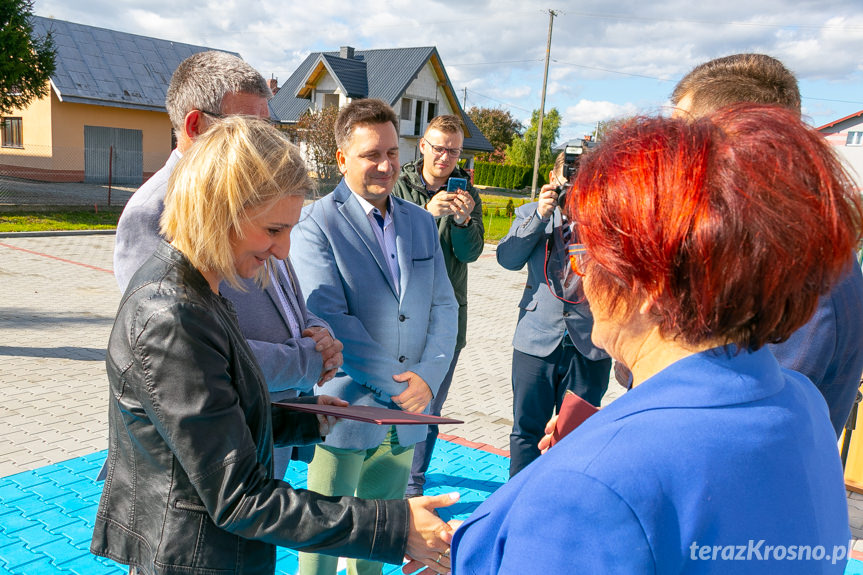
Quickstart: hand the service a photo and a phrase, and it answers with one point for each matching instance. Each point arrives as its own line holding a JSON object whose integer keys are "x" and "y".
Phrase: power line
{"x": 498, "y": 62}
{"x": 499, "y": 101}
{"x": 602, "y": 16}
{"x": 829, "y": 100}
{"x": 611, "y": 71}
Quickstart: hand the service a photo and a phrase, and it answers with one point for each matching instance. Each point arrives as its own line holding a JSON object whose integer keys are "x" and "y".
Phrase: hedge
{"x": 508, "y": 176}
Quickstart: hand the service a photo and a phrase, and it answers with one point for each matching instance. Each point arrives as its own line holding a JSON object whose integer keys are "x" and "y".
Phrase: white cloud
{"x": 604, "y": 53}
{"x": 590, "y": 112}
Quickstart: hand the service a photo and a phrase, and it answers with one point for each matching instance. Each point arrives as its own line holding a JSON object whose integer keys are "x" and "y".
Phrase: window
{"x": 418, "y": 118}
{"x": 431, "y": 112}
{"x": 12, "y": 133}
{"x": 406, "y": 109}
{"x": 854, "y": 139}
{"x": 331, "y": 100}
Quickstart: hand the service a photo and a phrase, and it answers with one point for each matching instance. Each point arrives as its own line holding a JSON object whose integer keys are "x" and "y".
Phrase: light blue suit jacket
{"x": 290, "y": 365}
{"x": 542, "y": 318}
{"x": 345, "y": 278}
{"x": 711, "y": 451}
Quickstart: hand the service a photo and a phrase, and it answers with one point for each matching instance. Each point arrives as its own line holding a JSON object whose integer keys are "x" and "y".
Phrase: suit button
{"x": 401, "y": 317}
{"x": 402, "y": 359}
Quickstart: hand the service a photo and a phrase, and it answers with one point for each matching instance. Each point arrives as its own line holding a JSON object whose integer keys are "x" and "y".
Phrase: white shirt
{"x": 386, "y": 237}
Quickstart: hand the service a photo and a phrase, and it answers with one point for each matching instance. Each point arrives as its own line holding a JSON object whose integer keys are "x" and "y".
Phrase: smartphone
{"x": 455, "y": 184}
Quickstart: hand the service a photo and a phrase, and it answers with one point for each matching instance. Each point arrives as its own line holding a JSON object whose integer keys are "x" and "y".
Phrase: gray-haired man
{"x": 294, "y": 348}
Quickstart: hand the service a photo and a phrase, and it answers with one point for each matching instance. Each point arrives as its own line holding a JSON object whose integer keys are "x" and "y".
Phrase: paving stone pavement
{"x": 57, "y": 303}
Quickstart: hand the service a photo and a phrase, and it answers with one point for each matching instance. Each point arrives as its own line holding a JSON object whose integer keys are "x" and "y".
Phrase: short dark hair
{"x": 754, "y": 78}
{"x": 362, "y": 112}
{"x": 447, "y": 123}
{"x": 695, "y": 215}
{"x": 201, "y": 81}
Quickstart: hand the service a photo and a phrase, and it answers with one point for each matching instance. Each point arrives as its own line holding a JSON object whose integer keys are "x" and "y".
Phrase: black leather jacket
{"x": 190, "y": 485}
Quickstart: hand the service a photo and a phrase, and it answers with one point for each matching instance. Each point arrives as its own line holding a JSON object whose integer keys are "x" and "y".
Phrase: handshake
{"x": 428, "y": 548}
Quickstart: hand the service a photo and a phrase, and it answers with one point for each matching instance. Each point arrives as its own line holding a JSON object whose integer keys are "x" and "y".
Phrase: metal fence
{"x": 67, "y": 176}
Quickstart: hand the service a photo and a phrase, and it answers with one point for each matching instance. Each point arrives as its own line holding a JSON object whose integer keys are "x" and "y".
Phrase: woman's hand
{"x": 429, "y": 537}
{"x": 545, "y": 442}
{"x": 327, "y": 422}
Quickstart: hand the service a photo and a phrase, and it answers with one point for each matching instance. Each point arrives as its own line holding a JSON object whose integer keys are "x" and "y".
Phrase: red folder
{"x": 377, "y": 415}
{"x": 573, "y": 412}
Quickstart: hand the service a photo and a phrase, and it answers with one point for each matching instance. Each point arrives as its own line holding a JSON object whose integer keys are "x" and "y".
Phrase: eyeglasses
{"x": 441, "y": 150}
{"x": 578, "y": 257}
{"x": 218, "y": 116}
{"x": 564, "y": 270}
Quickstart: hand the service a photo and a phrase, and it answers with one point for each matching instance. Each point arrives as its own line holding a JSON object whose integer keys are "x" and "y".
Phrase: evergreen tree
{"x": 26, "y": 62}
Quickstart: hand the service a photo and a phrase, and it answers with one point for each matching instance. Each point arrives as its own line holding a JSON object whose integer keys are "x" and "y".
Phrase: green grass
{"x": 494, "y": 215}
{"x": 495, "y": 219}
{"x": 57, "y": 220}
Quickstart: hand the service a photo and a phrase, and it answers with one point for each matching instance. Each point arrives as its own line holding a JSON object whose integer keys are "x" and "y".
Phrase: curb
{"x": 57, "y": 233}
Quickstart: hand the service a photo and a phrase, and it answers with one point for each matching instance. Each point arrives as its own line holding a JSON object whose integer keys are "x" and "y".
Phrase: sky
{"x": 607, "y": 59}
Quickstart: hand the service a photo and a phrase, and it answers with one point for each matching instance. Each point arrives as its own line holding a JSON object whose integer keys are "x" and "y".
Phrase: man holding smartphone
{"x": 437, "y": 183}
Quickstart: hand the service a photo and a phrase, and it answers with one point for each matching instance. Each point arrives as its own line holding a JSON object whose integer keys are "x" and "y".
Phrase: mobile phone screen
{"x": 456, "y": 184}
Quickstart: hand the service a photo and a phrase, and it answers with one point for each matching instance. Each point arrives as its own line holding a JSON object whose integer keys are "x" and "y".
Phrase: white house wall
{"x": 425, "y": 88}
{"x": 327, "y": 85}
{"x": 852, "y": 156}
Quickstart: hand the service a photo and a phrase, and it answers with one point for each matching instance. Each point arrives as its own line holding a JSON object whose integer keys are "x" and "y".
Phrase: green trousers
{"x": 378, "y": 473}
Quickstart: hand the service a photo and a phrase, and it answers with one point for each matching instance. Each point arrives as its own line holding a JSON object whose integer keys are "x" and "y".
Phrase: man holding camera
{"x": 438, "y": 184}
{"x": 552, "y": 351}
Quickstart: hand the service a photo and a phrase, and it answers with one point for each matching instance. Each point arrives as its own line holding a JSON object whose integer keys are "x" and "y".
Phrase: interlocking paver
{"x": 55, "y": 317}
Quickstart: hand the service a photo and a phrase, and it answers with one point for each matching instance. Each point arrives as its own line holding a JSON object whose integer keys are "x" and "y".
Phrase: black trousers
{"x": 538, "y": 385}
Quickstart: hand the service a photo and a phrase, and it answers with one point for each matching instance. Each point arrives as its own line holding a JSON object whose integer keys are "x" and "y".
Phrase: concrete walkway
{"x": 58, "y": 298}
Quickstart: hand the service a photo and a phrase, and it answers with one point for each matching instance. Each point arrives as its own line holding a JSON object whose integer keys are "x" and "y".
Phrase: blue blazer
{"x": 344, "y": 275}
{"x": 290, "y": 365}
{"x": 829, "y": 348}
{"x": 542, "y": 318}
{"x": 712, "y": 451}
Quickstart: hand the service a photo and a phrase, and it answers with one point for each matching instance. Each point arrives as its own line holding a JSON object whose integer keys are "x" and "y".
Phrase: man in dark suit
{"x": 294, "y": 348}
{"x": 828, "y": 349}
{"x": 552, "y": 347}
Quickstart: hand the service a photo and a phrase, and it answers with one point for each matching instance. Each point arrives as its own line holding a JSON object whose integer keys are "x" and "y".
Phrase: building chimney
{"x": 274, "y": 85}
{"x": 346, "y": 52}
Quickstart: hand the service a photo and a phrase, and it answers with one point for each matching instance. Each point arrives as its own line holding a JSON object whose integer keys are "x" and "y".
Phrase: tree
{"x": 523, "y": 148}
{"x": 26, "y": 61}
{"x": 499, "y": 127}
{"x": 315, "y": 130}
{"x": 604, "y": 127}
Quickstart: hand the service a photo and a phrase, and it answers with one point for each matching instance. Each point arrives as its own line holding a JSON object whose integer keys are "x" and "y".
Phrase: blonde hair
{"x": 240, "y": 164}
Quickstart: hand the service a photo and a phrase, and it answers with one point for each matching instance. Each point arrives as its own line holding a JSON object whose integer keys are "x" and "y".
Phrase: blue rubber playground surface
{"x": 47, "y": 515}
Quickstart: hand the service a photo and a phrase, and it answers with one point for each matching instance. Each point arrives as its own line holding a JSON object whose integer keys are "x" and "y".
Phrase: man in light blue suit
{"x": 371, "y": 266}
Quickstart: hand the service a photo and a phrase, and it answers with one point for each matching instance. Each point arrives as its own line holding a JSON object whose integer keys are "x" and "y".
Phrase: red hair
{"x": 732, "y": 224}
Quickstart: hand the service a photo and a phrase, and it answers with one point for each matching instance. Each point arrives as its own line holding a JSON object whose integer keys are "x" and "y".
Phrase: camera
{"x": 571, "y": 155}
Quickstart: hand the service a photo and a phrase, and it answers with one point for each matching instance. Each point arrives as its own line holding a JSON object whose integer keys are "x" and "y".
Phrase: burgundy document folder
{"x": 378, "y": 415}
{"x": 573, "y": 411}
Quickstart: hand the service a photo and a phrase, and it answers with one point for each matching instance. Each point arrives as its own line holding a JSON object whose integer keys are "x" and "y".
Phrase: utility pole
{"x": 464, "y": 105}
{"x": 551, "y": 15}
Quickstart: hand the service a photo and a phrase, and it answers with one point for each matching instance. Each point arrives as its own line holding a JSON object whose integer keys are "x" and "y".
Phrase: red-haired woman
{"x": 705, "y": 241}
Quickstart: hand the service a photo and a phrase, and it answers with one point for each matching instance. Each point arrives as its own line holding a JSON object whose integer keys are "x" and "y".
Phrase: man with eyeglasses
{"x": 294, "y": 348}
{"x": 552, "y": 349}
{"x": 458, "y": 214}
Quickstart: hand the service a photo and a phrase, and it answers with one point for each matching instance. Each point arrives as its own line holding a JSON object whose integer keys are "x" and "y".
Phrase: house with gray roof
{"x": 846, "y": 136}
{"x": 412, "y": 80}
{"x": 105, "y": 111}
